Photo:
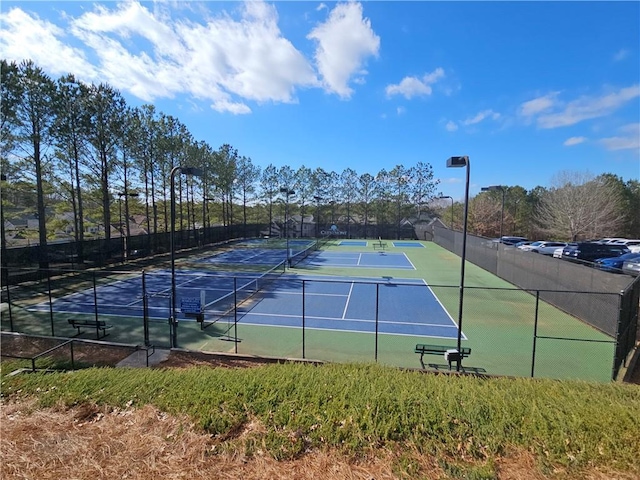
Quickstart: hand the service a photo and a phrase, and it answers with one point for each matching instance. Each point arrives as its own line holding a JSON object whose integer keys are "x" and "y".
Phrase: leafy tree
{"x": 106, "y": 112}
{"x": 304, "y": 191}
{"x": 349, "y": 193}
{"x": 383, "y": 196}
{"x": 269, "y": 187}
{"x": 70, "y": 130}
{"x": 32, "y": 130}
{"x": 11, "y": 90}
{"x": 399, "y": 182}
{"x": 145, "y": 125}
{"x": 366, "y": 191}
{"x": 423, "y": 186}
{"x": 247, "y": 175}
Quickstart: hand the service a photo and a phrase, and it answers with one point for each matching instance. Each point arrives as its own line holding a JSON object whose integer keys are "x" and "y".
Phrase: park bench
{"x": 451, "y": 354}
{"x": 98, "y": 325}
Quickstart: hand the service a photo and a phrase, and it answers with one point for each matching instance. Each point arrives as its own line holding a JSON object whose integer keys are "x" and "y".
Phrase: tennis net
{"x": 299, "y": 256}
{"x": 242, "y": 290}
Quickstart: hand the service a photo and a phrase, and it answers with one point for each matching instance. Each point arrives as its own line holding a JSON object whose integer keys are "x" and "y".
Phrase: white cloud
{"x": 480, "y": 116}
{"x": 413, "y": 86}
{"x": 25, "y": 37}
{"x": 538, "y": 105}
{"x": 401, "y": 110}
{"x": 583, "y": 108}
{"x": 569, "y": 142}
{"x": 628, "y": 140}
{"x": 344, "y": 42}
{"x": 451, "y": 126}
{"x": 621, "y": 55}
{"x": 322, "y": 6}
{"x": 223, "y": 60}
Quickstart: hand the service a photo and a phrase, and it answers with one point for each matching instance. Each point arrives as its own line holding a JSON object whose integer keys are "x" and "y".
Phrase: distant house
{"x": 296, "y": 227}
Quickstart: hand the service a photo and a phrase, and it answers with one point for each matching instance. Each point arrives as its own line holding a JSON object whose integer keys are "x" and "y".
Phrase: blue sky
{"x": 526, "y": 89}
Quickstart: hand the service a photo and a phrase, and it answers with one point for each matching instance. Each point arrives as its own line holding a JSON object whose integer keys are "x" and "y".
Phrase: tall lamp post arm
{"x": 456, "y": 162}
{"x": 172, "y": 216}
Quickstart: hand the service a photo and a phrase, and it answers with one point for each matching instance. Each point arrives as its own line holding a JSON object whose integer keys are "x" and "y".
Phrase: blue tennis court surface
{"x": 262, "y": 256}
{"x": 353, "y": 243}
{"x": 361, "y": 260}
{"x": 124, "y": 297}
{"x": 334, "y": 304}
{"x": 401, "y": 309}
{"x": 408, "y": 244}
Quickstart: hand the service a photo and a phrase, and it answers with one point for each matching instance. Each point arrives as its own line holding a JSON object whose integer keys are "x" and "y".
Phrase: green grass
{"x": 465, "y": 421}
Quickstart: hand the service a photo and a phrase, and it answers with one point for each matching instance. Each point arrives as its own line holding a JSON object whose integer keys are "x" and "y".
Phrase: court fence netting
{"x": 614, "y": 311}
{"x": 512, "y": 331}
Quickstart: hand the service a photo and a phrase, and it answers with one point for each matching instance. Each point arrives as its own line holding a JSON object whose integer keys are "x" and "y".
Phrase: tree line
{"x": 68, "y": 146}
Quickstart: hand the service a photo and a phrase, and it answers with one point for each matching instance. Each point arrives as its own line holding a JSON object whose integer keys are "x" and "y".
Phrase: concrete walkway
{"x": 138, "y": 359}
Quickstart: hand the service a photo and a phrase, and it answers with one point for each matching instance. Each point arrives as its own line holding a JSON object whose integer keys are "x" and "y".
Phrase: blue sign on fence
{"x": 191, "y": 305}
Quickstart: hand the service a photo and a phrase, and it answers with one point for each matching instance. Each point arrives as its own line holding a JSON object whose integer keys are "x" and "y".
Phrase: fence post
{"x": 535, "y": 334}
{"x": 5, "y": 270}
{"x": 235, "y": 314}
{"x": 145, "y": 309}
{"x": 53, "y": 334}
{"x": 377, "y": 309}
{"x": 303, "y": 319}
{"x": 95, "y": 303}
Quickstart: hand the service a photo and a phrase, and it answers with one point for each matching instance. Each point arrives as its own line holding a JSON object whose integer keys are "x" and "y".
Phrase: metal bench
{"x": 98, "y": 325}
{"x": 451, "y": 354}
{"x": 379, "y": 245}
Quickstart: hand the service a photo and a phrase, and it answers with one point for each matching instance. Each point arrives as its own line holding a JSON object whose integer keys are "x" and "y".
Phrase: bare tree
{"x": 579, "y": 205}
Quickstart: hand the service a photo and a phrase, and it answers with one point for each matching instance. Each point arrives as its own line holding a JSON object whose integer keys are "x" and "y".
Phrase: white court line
{"x": 344, "y": 313}
{"x": 408, "y": 260}
{"x": 359, "y": 259}
{"x": 335, "y": 319}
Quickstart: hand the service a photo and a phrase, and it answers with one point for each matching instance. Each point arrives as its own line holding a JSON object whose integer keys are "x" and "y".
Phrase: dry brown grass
{"x": 88, "y": 442}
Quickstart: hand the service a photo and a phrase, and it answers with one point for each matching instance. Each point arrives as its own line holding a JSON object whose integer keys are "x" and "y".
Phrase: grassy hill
{"x": 425, "y": 425}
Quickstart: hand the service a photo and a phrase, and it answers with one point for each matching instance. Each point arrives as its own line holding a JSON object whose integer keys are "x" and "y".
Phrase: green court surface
{"x": 498, "y": 323}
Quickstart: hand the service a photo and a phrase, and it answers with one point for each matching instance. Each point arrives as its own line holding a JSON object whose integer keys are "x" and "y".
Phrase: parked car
{"x": 633, "y": 244}
{"x": 587, "y": 253}
{"x": 614, "y": 264}
{"x": 631, "y": 267}
{"x": 543, "y": 247}
{"x": 511, "y": 240}
{"x": 521, "y": 244}
{"x": 527, "y": 246}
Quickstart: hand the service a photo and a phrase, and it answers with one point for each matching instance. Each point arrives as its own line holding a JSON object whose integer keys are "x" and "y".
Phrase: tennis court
{"x": 337, "y": 304}
{"x": 360, "y": 260}
{"x": 327, "y": 308}
{"x": 348, "y": 305}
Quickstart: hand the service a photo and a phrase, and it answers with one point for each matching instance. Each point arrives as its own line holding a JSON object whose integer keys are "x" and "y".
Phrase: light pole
{"x": 287, "y": 192}
{"x": 317, "y": 199}
{"x": 442, "y": 197}
{"x": 204, "y": 217}
{"x": 502, "y": 189}
{"x": 122, "y": 234}
{"x": 458, "y": 162}
{"x": 3, "y": 247}
{"x": 173, "y": 320}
